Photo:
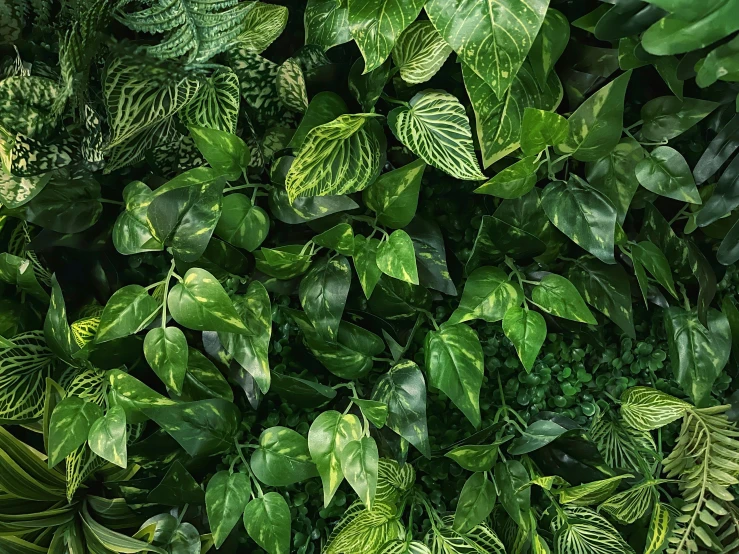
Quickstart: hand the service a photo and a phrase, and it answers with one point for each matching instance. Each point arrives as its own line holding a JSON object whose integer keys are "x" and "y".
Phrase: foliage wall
{"x": 369, "y": 276}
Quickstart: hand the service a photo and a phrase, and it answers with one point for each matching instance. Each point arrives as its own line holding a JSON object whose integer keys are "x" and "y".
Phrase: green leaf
{"x": 493, "y": 37}
{"x": 374, "y": 411}
{"x": 69, "y": 427}
{"x": 291, "y": 87}
{"x": 585, "y": 531}
{"x": 435, "y": 127}
{"x": 475, "y": 457}
{"x": 201, "y": 428}
{"x": 396, "y": 257}
{"x": 57, "y": 331}
{"x": 660, "y": 529}
{"x": 226, "y": 497}
{"x": 131, "y": 233}
{"x": 527, "y": 330}
{"x": 540, "y": 128}
{"x": 16, "y": 191}
{"x": 20, "y": 272}
{"x": 476, "y": 502}
{"x": 200, "y": 303}
{"x": 216, "y": 106}
{"x": 613, "y": 175}
{"x": 646, "y": 409}
{"x": 667, "y": 117}
{"x": 282, "y": 458}
{"x": 394, "y": 195}
{"x": 359, "y": 459}
{"x": 648, "y": 255}
{"x": 511, "y": 477}
{"x": 720, "y": 63}
{"x": 340, "y": 237}
{"x": 728, "y": 250}
{"x": 283, "y": 262}
{"x": 261, "y": 27}
{"x": 488, "y": 295}
{"x": 377, "y": 24}
{"x": 420, "y": 52}
{"x": 323, "y": 293}
{"x": 224, "y": 151}
{"x": 499, "y": 119}
{"x": 323, "y": 108}
{"x": 339, "y": 157}
{"x": 107, "y": 437}
{"x": 664, "y": 171}
{"x": 165, "y": 350}
{"x": 556, "y": 295}
{"x": 328, "y": 435}
{"x": 267, "y": 520}
{"x": 698, "y": 354}
{"x": 595, "y": 127}
{"x": 365, "y": 263}
{"x": 367, "y": 87}
{"x": 594, "y": 492}
{"x": 129, "y": 310}
{"x": 241, "y": 223}
{"x": 403, "y": 389}
{"x": 514, "y": 181}
{"x": 606, "y": 288}
{"x": 204, "y": 380}
{"x": 134, "y": 396}
{"x": 326, "y": 24}
{"x": 454, "y": 362}
{"x": 428, "y": 244}
{"x": 584, "y": 214}
{"x": 630, "y": 505}
{"x": 537, "y": 435}
{"x": 549, "y": 44}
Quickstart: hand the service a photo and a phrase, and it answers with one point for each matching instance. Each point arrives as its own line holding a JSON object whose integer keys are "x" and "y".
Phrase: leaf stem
{"x": 248, "y": 468}
{"x": 166, "y": 291}
{"x": 114, "y": 202}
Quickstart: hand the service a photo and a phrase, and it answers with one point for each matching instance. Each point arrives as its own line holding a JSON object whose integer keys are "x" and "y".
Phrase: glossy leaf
{"x": 359, "y": 459}
{"x": 224, "y": 151}
{"x": 323, "y": 294}
{"x": 667, "y": 117}
{"x": 665, "y": 172}
{"x": 475, "y": 503}
{"x": 241, "y": 223}
{"x": 526, "y": 329}
{"x": 419, "y": 52}
{"x": 396, "y": 257}
{"x": 558, "y": 296}
{"x": 282, "y": 458}
{"x": 394, "y": 195}
{"x": 107, "y": 436}
{"x": 226, "y": 497}
{"x": 70, "y": 425}
{"x": 267, "y": 520}
{"x": 165, "y": 350}
{"x": 488, "y": 295}
{"x": 540, "y": 129}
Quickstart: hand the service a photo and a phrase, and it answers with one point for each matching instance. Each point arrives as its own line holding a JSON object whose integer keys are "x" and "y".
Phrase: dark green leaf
{"x": 664, "y": 171}
{"x": 667, "y": 116}
{"x": 394, "y": 195}
{"x": 527, "y": 330}
{"x": 241, "y": 223}
{"x": 476, "y": 502}
{"x": 323, "y": 294}
{"x": 129, "y": 310}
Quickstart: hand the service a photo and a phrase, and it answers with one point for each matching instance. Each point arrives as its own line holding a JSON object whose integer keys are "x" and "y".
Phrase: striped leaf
{"x": 493, "y": 37}
{"x": 393, "y": 480}
{"x": 261, "y": 27}
{"x": 646, "y": 409}
{"x": 216, "y": 104}
{"x": 339, "y": 157}
{"x": 326, "y": 23}
{"x": 435, "y": 127}
{"x": 499, "y": 119}
{"x": 85, "y": 329}
{"x": 420, "y": 52}
{"x": 628, "y": 506}
{"x": 591, "y": 493}
{"x": 660, "y": 529}
{"x": 621, "y": 446}
{"x": 404, "y": 547}
{"x": 585, "y": 532}
{"x": 363, "y": 531}
{"x": 480, "y": 540}
{"x": 376, "y": 25}
{"x": 454, "y": 362}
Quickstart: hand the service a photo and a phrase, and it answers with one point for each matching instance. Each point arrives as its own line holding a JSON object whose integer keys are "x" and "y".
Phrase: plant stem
{"x": 166, "y": 291}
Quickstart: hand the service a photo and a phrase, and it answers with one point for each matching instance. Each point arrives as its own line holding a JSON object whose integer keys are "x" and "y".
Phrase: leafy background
{"x": 369, "y": 276}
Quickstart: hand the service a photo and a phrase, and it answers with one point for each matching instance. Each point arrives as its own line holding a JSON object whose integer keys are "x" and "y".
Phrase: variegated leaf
{"x": 326, "y": 23}
{"x": 363, "y": 531}
{"x": 646, "y": 409}
{"x": 216, "y": 105}
{"x": 481, "y": 539}
{"x": 660, "y": 529}
{"x": 630, "y": 505}
{"x": 16, "y": 191}
{"x": 257, "y": 82}
{"x": 586, "y": 532}
{"x": 290, "y": 83}
{"x": 420, "y": 52}
{"x": 261, "y": 27}
{"x": 591, "y": 493}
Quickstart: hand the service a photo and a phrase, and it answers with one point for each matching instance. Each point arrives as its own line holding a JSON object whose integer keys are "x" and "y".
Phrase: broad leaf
{"x": 664, "y": 171}
{"x": 128, "y": 311}
{"x": 323, "y": 294}
{"x": 223, "y": 150}
{"x": 267, "y": 520}
{"x": 365, "y": 263}
{"x": 394, "y": 195}
{"x": 165, "y": 350}
{"x": 339, "y": 238}
{"x": 69, "y": 427}
{"x": 107, "y": 436}
{"x": 540, "y": 129}
{"x": 326, "y": 24}
{"x": 667, "y": 117}
{"x": 282, "y": 458}
{"x": 475, "y": 503}
{"x": 514, "y": 181}
{"x": 475, "y": 457}
{"x": 359, "y": 459}
{"x": 396, "y": 257}
{"x": 511, "y": 478}
{"x": 558, "y": 296}
{"x": 226, "y": 497}
{"x": 420, "y": 52}
{"x": 526, "y": 329}
{"x": 488, "y": 295}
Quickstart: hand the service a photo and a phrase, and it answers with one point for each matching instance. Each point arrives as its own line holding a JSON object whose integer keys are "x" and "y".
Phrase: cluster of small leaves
{"x": 369, "y": 276}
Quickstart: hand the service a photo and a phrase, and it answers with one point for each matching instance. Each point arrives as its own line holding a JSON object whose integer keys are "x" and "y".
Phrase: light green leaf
{"x": 540, "y": 128}
{"x": 283, "y": 262}
{"x": 394, "y": 195}
{"x": 200, "y": 303}
{"x": 328, "y": 435}
{"x": 514, "y": 181}
{"x": 720, "y": 63}
{"x": 630, "y": 505}
{"x": 326, "y": 23}
{"x": 375, "y": 412}
{"x": 420, "y": 52}
{"x": 475, "y": 457}
{"x": 339, "y": 157}
{"x": 511, "y": 478}
{"x": 594, "y": 492}
{"x": 165, "y": 350}
{"x": 129, "y": 310}
{"x": 488, "y": 294}
{"x": 664, "y": 171}
{"x": 660, "y": 529}
{"x": 646, "y": 409}
{"x": 476, "y": 502}
{"x": 282, "y": 458}
{"x": 359, "y": 459}
{"x": 667, "y": 117}
{"x": 323, "y": 108}
{"x": 267, "y": 520}
{"x": 365, "y": 263}
{"x": 241, "y": 223}
{"x": 499, "y": 119}
{"x": 595, "y": 127}
{"x": 107, "y": 437}
{"x": 558, "y": 296}
{"x": 261, "y": 27}
{"x": 291, "y": 88}
{"x": 16, "y": 191}
{"x": 339, "y": 237}
{"x": 376, "y": 25}
{"x": 493, "y": 37}
{"x": 226, "y": 497}
{"x": 526, "y": 329}
{"x": 133, "y": 395}
{"x": 585, "y": 531}
{"x": 435, "y": 127}
{"x": 216, "y": 105}
{"x": 454, "y": 362}
{"x": 396, "y": 257}
{"x": 70, "y": 426}
{"x": 323, "y": 293}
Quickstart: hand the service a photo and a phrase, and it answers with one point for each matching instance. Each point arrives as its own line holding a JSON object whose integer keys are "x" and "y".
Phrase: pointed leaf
{"x": 526, "y": 329}
{"x": 165, "y": 350}
{"x": 107, "y": 437}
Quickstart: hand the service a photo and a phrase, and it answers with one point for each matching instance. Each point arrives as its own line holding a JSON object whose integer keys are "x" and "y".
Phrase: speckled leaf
{"x": 203, "y": 379}
{"x": 540, "y": 128}
{"x": 374, "y": 411}
{"x": 499, "y": 119}
{"x": 57, "y": 331}
{"x": 549, "y": 43}
{"x": 131, "y": 233}
{"x": 394, "y": 195}
{"x": 338, "y": 157}
{"x": 328, "y": 435}
{"x": 359, "y": 459}
{"x": 290, "y": 83}
{"x": 698, "y": 354}
{"x": 435, "y": 127}
{"x": 475, "y": 457}
{"x": 595, "y": 127}
{"x": 584, "y": 214}
{"x": 226, "y": 497}
{"x": 339, "y": 237}
{"x": 403, "y": 389}
{"x": 396, "y": 257}
{"x": 667, "y": 117}
{"x": 476, "y": 502}
{"x": 224, "y": 151}
{"x": 128, "y": 311}
{"x": 558, "y": 296}
{"x": 16, "y": 191}
{"x": 257, "y": 83}
{"x": 420, "y": 52}
{"x": 526, "y": 329}
{"x": 165, "y": 350}
{"x": 326, "y": 23}
{"x": 107, "y": 436}
{"x": 493, "y": 37}
{"x": 664, "y": 171}
{"x": 282, "y": 458}
{"x": 283, "y": 262}
{"x": 323, "y": 293}
{"x": 511, "y": 478}
{"x": 454, "y": 362}
{"x": 261, "y": 27}
{"x": 365, "y": 263}
{"x": 69, "y": 427}
{"x": 267, "y": 520}
{"x": 376, "y": 25}
{"x": 241, "y": 223}
{"x": 514, "y": 181}
{"x": 488, "y": 294}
